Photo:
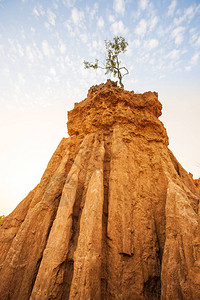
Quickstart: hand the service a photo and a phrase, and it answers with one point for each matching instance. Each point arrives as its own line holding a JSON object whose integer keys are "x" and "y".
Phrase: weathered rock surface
{"x": 115, "y": 216}
{"x": 196, "y": 182}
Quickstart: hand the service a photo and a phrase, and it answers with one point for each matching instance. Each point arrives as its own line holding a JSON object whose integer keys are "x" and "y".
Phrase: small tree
{"x": 112, "y": 63}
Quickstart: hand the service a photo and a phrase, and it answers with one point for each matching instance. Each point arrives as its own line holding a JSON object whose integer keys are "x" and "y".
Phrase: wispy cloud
{"x": 69, "y": 3}
{"x": 38, "y": 11}
{"x": 188, "y": 14}
{"x": 151, "y": 44}
{"x": 84, "y": 37}
{"x": 178, "y": 35}
{"x": 141, "y": 28}
{"x": 100, "y": 22}
{"x": 51, "y": 18}
{"x": 193, "y": 61}
{"x": 153, "y": 23}
{"x": 92, "y": 11}
{"x": 16, "y": 51}
{"x": 174, "y": 54}
{"x": 195, "y": 58}
{"x": 29, "y": 53}
{"x": 119, "y": 6}
{"x": 194, "y": 37}
{"x": 77, "y": 16}
{"x": 47, "y": 49}
{"x": 171, "y": 8}
{"x": 33, "y": 53}
{"x": 143, "y": 4}
{"x": 111, "y": 19}
{"x": 118, "y": 28}
{"x": 61, "y": 46}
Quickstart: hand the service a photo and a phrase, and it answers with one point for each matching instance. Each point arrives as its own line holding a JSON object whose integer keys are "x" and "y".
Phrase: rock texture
{"x": 115, "y": 216}
{"x": 196, "y": 181}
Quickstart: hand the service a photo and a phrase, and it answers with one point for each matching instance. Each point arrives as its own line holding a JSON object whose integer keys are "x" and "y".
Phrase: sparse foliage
{"x": 112, "y": 63}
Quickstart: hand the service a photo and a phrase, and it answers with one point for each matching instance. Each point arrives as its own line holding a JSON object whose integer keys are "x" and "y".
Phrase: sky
{"x": 43, "y": 44}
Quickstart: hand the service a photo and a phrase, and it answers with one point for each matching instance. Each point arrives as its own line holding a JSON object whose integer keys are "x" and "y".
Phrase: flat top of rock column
{"x": 108, "y": 105}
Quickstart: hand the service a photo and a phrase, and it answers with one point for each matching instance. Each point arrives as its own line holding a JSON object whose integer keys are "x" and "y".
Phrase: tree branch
{"x": 127, "y": 72}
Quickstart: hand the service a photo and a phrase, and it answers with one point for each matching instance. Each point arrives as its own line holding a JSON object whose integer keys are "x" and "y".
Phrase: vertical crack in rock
{"x": 106, "y": 175}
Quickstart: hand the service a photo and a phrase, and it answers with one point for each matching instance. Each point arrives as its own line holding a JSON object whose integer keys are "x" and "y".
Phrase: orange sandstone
{"x": 115, "y": 215}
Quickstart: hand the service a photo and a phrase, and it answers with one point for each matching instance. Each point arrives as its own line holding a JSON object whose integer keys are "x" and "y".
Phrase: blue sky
{"x": 42, "y": 48}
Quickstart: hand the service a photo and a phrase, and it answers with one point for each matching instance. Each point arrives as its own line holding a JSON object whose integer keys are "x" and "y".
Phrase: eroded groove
{"x": 68, "y": 265}
{"x": 152, "y": 288}
{"x": 34, "y": 278}
{"x": 106, "y": 175}
{"x": 57, "y": 201}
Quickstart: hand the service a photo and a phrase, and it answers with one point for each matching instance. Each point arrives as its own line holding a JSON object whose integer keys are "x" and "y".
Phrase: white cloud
{"x": 69, "y": 3}
{"x": 39, "y": 11}
{"x": 172, "y": 8}
{"x": 69, "y": 28}
{"x": 119, "y": 6}
{"x": 20, "y": 50}
{"x": 177, "y": 35}
{"x": 77, "y": 16}
{"x": 95, "y": 44}
{"x": 111, "y": 19}
{"x": 197, "y": 43}
{"x": 100, "y": 22}
{"x": 23, "y": 33}
{"x": 36, "y": 12}
{"x": 51, "y": 18}
{"x": 143, "y": 4}
{"x": 194, "y": 59}
{"x": 153, "y": 23}
{"x": 141, "y": 28}
{"x": 137, "y": 43}
{"x": 194, "y": 37}
{"x": 84, "y": 37}
{"x": 118, "y": 28}
{"x": 16, "y": 48}
{"x": 47, "y": 49}
{"x": 62, "y": 46}
{"x": 188, "y": 14}
{"x": 93, "y": 12}
{"x": 32, "y": 52}
{"x": 174, "y": 54}
{"x": 151, "y": 44}
{"x": 29, "y": 53}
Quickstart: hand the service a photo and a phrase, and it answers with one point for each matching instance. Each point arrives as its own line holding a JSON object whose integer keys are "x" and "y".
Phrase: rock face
{"x": 196, "y": 182}
{"x": 115, "y": 216}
